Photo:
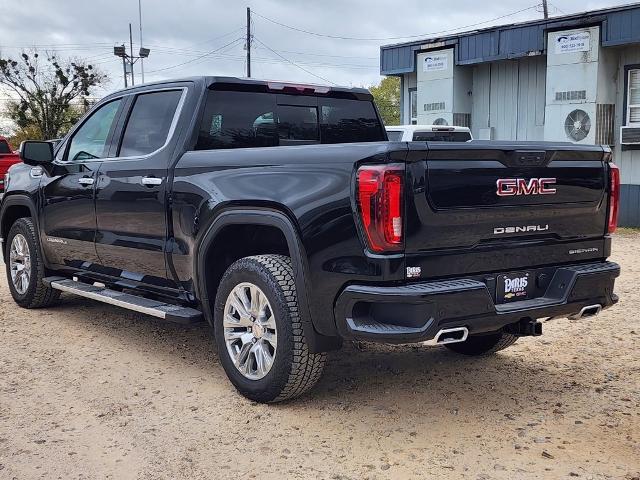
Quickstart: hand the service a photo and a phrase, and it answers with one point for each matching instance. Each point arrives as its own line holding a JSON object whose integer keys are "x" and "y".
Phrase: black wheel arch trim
{"x": 274, "y": 218}
{"x": 18, "y": 200}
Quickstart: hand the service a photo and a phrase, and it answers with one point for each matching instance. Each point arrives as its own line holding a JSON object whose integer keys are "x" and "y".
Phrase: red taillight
{"x": 614, "y": 197}
{"x": 380, "y": 203}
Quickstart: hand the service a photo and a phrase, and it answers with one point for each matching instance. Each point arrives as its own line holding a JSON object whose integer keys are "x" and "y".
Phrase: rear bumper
{"x": 416, "y": 312}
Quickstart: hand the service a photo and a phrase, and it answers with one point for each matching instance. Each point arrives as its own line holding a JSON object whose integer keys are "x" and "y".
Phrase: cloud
{"x": 188, "y": 37}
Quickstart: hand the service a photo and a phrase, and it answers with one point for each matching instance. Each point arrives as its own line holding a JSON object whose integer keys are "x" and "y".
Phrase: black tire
{"x": 483, "y": 344}
{"x": 37, "y": 294}
{"x": 294, "y": 370}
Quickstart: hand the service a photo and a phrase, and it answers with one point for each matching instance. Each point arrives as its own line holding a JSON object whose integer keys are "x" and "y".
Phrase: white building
{"x": 573, "y": 78}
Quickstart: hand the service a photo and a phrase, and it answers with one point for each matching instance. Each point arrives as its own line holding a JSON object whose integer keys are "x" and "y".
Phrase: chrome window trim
{"x": 170, "y": 133}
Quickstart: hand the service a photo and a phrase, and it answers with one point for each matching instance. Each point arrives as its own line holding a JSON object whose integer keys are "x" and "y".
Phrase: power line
{"x": 227, "y": 56}
{"x": 339, "y": 37}
{"x": 327, "y": 55}
{"x": 97, "y": 45}
{"x": 195, "y": 59}
{"x": 292, "y": 63}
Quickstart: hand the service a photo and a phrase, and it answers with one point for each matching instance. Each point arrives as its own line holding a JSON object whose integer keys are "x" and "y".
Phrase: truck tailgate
{"x": 481, "y": 206}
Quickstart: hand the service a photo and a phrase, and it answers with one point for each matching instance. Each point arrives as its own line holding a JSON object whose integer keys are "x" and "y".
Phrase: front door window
{"x": 90, "y": 141}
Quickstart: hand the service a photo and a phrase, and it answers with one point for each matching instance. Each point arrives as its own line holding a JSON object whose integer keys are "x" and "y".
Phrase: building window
{"x": 633, "y": 97}
{"x": 413, "y": 98}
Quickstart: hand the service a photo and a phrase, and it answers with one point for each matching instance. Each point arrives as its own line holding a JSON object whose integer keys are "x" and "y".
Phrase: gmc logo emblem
{"x": 509, "y": 187}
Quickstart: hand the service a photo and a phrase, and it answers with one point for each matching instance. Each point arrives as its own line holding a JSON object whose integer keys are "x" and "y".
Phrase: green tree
{"x": 387, "y": 98}
{"x": 51, "y": 95}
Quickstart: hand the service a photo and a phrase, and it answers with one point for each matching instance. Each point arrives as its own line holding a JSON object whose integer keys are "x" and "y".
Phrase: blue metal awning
{"x": 620, "y": 26}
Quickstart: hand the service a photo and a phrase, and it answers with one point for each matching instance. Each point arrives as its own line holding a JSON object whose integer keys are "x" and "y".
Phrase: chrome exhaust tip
{"x": 588, "y": 311}
{"x": 449, "y": 335}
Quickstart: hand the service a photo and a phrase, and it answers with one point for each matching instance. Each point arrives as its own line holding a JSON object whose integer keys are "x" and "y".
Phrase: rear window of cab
{"x": 240, "y": 119}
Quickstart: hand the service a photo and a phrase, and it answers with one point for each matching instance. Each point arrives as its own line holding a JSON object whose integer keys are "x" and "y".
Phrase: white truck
{"x": 431, "y": 133}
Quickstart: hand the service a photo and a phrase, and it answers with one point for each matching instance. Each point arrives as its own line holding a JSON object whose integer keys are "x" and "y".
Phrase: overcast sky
{"x": 186, "y": 31}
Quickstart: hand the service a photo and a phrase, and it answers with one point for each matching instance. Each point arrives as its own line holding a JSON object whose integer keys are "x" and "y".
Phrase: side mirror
{"x": 36, "y": 153}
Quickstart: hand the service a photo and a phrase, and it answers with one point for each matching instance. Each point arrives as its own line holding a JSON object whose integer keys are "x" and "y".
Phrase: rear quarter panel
{"x": 311, "y": 185}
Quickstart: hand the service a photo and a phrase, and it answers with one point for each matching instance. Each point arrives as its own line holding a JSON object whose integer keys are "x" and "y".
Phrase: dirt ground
{"x": 92, "y": 391}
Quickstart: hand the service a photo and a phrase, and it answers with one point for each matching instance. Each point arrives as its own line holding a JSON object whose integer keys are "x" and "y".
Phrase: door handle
{"x": 151, "y": 181}
{"x": 86, "y": 181}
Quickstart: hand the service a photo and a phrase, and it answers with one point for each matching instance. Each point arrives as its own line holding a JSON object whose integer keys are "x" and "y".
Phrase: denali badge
{"x": 509, "y": 187}
{"x": 523, "y": 229}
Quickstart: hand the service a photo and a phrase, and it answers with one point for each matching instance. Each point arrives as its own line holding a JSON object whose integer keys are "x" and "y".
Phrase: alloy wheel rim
{"x": 250, "y": 332}
{"x": 20, "y": 264}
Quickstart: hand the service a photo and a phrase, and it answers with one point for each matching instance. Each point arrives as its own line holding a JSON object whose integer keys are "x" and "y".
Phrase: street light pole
{"x": 140, "y": 21}
{"x": 248, "y": 42}
{"x": 124, "y": 70}
{"x": 131, "y": 55}
{"x": 129, "y": 59}
{"x": 121, "y": 51}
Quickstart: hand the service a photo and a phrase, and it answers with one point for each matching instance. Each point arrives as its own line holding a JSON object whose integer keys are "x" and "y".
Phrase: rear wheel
{"x": 258, "y": 331}
{"x": 483, "y": 344}
{"x": 25, "y": 268}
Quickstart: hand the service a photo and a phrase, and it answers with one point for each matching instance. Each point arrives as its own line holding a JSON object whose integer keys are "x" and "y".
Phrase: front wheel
{"x": 25, "y": 267}
{"x": 258, "y": 331}
{"x": 483, "y": 344}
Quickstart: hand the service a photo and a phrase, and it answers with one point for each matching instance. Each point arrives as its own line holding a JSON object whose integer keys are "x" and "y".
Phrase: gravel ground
{"x": 91, "y": 391}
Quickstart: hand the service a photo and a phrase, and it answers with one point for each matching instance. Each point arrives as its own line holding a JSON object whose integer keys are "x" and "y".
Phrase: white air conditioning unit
{"x": 630, "y": 135}
{"x": 442, "y": 87}
{"x": 580, "y": 105}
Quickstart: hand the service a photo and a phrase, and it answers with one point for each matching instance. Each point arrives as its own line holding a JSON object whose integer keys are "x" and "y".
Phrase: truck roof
{"x": 210, "y": 81}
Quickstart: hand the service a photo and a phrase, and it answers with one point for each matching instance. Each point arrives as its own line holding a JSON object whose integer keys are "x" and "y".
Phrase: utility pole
{"x": 545, "y": 9}
{"x": 131, "y": 60}
{"x": 140, "y": 23}
{"x": 248, "y": 45}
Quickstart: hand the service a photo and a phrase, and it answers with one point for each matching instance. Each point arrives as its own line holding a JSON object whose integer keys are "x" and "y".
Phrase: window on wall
{"x": 413, "y": 97}
{"x": 633, "y": 97}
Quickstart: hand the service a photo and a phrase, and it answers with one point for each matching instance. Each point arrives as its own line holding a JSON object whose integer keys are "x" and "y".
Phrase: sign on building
{"x": 574, "y": 42}
{"x": 435, "y": 63}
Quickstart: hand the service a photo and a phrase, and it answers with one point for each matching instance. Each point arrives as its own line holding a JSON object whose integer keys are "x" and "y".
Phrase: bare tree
{"x": 51, "y": 95}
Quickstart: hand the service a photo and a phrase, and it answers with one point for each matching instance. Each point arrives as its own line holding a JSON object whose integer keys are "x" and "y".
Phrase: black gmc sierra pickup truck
{"x": 282, "y": 216}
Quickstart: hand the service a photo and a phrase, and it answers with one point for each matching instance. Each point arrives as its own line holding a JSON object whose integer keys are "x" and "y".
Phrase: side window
{"x": 633, "y": 98}
{"x": 346, "y": 121}
{"x": 238, "y": 120}
{"x": 90, "y": 140}
{"x": 149, "y": 122}
{"x": 413, "y": 99}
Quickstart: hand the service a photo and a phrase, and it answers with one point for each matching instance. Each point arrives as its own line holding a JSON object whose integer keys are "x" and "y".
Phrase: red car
{"x": 7, "y": 158}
